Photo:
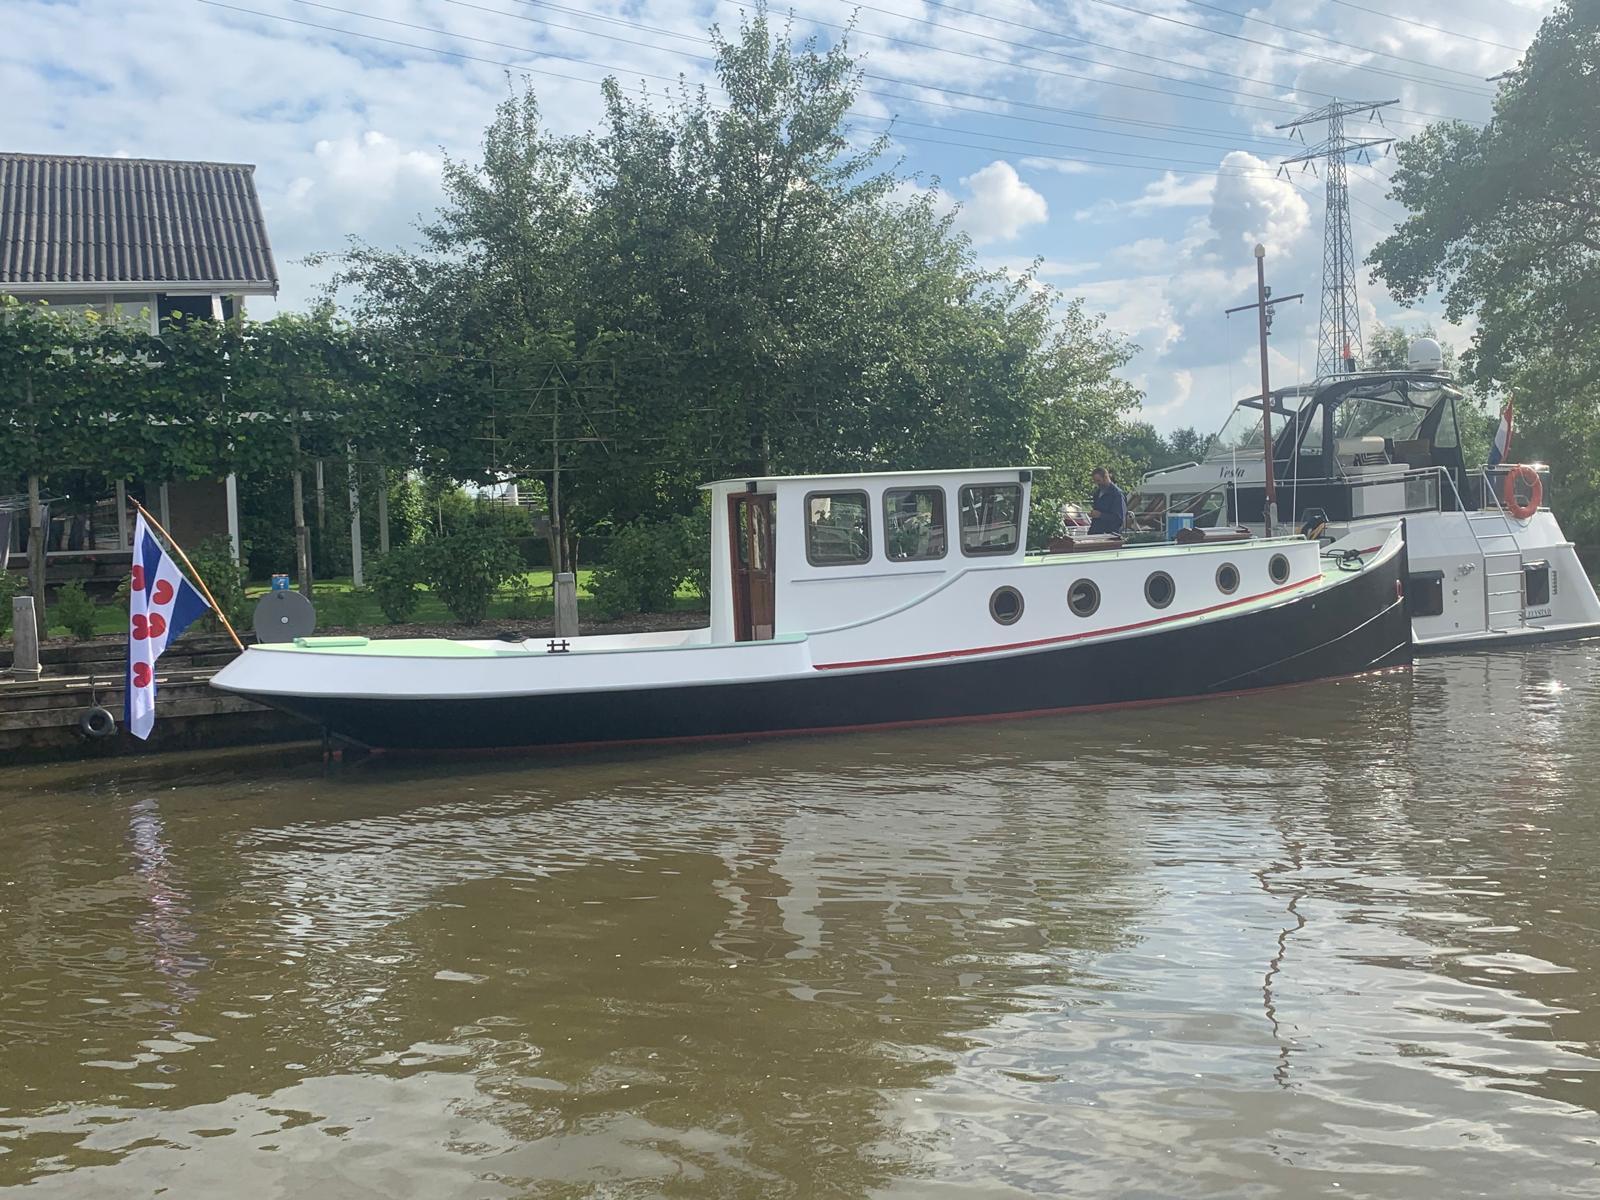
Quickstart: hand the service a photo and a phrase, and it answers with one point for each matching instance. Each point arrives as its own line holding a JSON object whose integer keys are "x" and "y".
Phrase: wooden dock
{"x": 39, "y": 721}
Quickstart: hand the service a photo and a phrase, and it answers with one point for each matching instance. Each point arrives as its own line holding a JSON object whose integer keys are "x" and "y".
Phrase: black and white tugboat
{"x": 1353, "y": 456}
{"x": 845, "y": 601}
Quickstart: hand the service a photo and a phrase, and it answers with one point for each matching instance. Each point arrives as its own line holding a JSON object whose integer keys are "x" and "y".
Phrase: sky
{"x": 1129, "y": 146}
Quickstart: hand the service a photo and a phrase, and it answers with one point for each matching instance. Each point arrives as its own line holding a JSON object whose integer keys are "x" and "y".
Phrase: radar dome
{"x": 1425, "y": 354}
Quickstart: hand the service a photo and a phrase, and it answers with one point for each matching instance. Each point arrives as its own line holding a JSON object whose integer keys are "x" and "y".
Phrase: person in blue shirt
{"x": 1108, "y": 508}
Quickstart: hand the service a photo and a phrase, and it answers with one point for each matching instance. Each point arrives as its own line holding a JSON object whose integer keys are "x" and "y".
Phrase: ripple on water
{"x": 1338, "y": 938}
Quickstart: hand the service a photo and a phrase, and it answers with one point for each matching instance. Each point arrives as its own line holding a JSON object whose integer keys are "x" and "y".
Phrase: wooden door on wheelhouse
{"x": 754, "y": 583}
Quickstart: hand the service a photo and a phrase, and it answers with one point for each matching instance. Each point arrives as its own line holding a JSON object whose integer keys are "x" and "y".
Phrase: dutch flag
{"x": 1502, "y": 439}
{"x": 161, "y": 605}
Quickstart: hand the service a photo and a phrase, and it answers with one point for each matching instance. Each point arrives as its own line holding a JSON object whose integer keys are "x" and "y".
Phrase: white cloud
{"x": 1001, "y": 205}
{"x": 367, "y": 183}
{"x": 1170, "y": 191}
{"x": 1061, "y": 166}
{"x": 1249, "y": 205}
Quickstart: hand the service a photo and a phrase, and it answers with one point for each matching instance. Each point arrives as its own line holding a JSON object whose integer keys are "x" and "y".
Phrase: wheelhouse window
{"x": 1310, "y": 427}
{"x": 1388, "y": 417}
{"x": 991, "y": 518}
{"x": 838, "y": 530}
{"x": 913, "y": 524}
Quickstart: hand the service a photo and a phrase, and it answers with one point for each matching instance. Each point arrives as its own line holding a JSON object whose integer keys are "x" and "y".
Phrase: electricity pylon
{"x": 1339, "y": 347}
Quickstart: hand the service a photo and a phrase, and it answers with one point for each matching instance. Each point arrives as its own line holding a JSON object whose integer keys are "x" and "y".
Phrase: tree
{"x": 700, "y": 290}
{"x": 1506, "y": 223}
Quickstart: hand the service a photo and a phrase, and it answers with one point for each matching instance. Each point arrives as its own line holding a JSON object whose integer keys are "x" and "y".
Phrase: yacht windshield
{"x": 1241, "y": 431}
{"x": 1374, "y": 417}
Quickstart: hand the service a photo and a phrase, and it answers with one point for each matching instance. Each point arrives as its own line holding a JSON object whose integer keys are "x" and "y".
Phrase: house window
{"x": 838, "y": 532}
{"x": 913, "y": 524}
{"x": 1227, "y": 579}
{"x": 1278, "y": 568}
{"x": 991, "y": 518}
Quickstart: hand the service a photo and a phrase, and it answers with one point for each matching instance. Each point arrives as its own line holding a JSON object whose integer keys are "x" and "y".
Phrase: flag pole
{"x": 178, "y": 550}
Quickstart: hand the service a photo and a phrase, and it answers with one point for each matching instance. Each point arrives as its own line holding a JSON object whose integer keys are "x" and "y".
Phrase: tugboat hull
{"x": 1351, "y": 625}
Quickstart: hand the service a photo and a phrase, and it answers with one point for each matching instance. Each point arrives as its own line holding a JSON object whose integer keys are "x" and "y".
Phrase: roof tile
{"x": 71, "y": 219}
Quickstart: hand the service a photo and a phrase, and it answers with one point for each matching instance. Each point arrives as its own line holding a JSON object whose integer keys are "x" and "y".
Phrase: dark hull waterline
{"x": 1355, "y": 625}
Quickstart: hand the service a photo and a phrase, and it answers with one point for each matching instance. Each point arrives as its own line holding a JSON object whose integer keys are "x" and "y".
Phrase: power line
{"x": 1237, "y": 135}
{"x": 1137, "y": 122}
{"x": 895, "y": 122}
{"x": 739, "y": 4}
{"x": 1186, "y": 167}
{"x": 478, "y": 58}
{"x": 1017, "y": 66}
{"x": 1320, "y": 37}
{"x": 1239, "y": 37}
{"x": 1455, "y": 33}
{"x": 1064, "y": 35}
{"x": 1097, "y": 62}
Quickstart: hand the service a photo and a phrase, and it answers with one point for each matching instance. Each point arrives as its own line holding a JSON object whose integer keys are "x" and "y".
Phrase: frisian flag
{"x": 1501, "y": 446}
{"x": 161, "y": 605}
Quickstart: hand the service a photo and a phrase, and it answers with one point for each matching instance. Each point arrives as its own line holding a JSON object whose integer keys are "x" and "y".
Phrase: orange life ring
{"x": 1535, "y": 492}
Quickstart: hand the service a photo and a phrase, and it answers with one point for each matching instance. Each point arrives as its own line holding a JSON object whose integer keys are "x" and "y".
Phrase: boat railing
{"x": 1417, "y": 490}
{"x": 1491, "y": 483}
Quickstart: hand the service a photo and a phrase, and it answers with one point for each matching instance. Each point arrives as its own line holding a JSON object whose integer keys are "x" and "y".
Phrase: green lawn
{"x": 339, "y": 605}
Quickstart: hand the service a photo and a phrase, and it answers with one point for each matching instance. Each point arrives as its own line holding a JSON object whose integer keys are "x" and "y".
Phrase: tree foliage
{"x": 199, "y": 400}
{"x": 699, "y": 290}
{"x": 1506, "y": 223}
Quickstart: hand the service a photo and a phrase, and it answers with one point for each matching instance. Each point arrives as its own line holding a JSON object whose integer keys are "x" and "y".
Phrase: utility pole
{"x": 1263, "y": 307}
{"x": 1339, "y": 348}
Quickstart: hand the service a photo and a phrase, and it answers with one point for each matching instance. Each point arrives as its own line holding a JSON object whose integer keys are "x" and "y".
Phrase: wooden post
{"x": 1270, "y": 508}
{"x": 124, "y": 533}
{"x": 357, "y": 578}
{"x": 231, "y": 488}
{"x": 36, "y": 554}
{"x": 322, "y": 501}
{"x": 24, "y": 639}
{"x": 302, "y": 535}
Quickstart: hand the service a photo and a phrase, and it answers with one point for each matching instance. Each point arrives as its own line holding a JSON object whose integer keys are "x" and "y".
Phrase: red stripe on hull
{"x": 1066, "y": 637}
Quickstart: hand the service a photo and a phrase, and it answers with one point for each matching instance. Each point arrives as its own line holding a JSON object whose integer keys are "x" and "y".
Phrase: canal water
{"x": 1341, "y": 940}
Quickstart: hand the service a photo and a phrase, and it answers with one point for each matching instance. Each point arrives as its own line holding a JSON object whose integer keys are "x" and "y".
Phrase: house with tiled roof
{"x": 133, "y": 234}
{"x": 134, "y": 239}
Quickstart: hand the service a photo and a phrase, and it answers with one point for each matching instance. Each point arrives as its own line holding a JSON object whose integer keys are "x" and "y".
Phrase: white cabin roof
{"x": 742, "y": 480}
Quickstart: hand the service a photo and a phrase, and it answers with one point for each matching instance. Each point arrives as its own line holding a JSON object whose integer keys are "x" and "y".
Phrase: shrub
{"x": 465, "y": 567}
{"x": 695, "y": 530}
{"x": 337, "y": 609}
{"x": 524, "y": 603}
{"x": 11, "y": 584}
{"x": 393, "y": 579}
{"x": 75, "y": 610}
{"x": 213, "y": 562}
{"x": 642, "y": 571}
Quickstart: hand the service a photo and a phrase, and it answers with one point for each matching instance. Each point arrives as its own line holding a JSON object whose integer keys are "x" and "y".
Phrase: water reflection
{"x": 1343, "y": 934}
{"x": 165, "y": 920}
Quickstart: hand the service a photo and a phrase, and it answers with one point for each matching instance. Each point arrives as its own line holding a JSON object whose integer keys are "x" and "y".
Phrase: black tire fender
{"x": 97, "y": 723}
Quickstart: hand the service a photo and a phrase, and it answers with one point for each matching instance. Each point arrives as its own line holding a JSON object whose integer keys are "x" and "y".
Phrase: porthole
{"x": 1278, "y": 568}
{"x": 1227, "y": 579}
{"x": 1159, "y": 590}
{"x": 1005, "y": 606}
{"x": 1083, "y": 598}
